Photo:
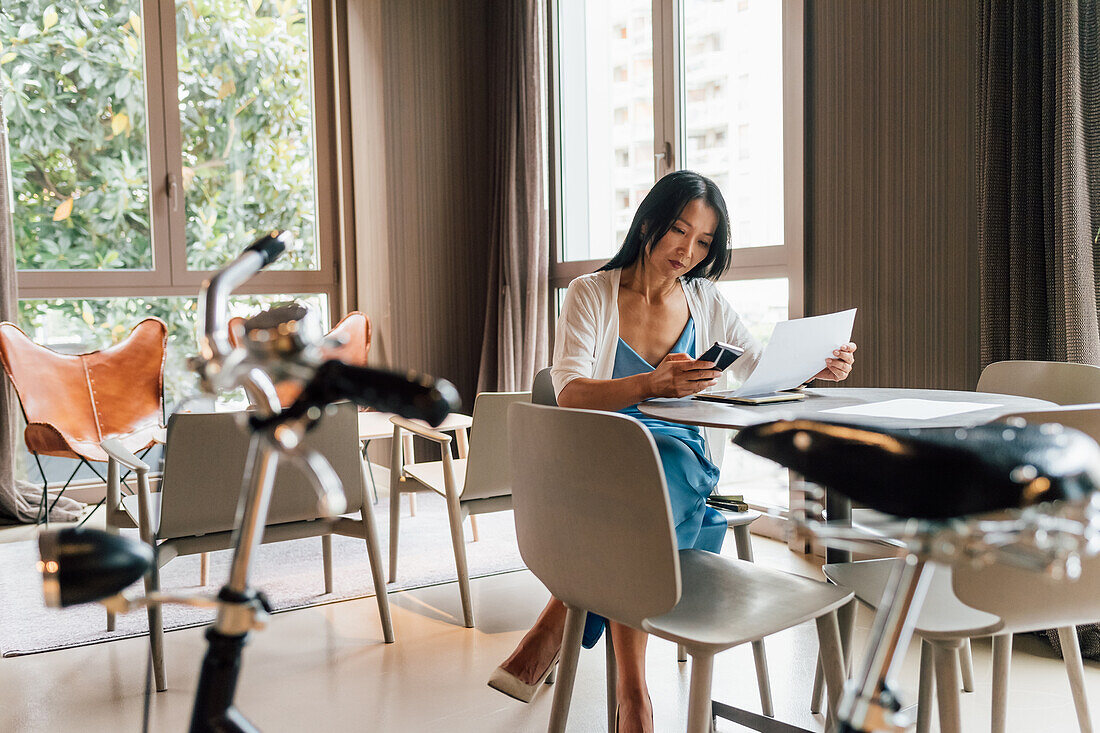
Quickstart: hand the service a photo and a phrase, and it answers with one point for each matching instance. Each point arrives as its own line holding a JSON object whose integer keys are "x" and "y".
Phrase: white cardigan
{"x": 587, "y": 334}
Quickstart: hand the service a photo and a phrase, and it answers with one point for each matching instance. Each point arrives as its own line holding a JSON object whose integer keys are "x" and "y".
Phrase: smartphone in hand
{"x": 721, "y": 354}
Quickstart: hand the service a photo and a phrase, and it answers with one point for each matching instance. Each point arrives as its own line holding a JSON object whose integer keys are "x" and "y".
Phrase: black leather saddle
{"x": 935, "y": 473}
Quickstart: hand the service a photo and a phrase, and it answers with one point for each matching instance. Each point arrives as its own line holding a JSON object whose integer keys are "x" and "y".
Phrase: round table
{"x": 838, "y": 507}
{"x": 717, "y": 415}
{"x": 818, "y": 401}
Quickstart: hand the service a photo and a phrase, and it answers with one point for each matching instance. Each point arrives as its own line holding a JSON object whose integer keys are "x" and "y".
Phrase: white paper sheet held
{"x": 911, "y": 409}
{"x": 797, "y": 351}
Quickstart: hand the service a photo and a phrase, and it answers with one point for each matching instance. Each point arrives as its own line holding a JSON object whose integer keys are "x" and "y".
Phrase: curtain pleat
{"x": 1038, "y": 144}
{"x": 514, "y": 344}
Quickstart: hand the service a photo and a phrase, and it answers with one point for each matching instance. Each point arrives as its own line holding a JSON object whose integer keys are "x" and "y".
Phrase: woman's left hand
{"x": 839, "y": 366}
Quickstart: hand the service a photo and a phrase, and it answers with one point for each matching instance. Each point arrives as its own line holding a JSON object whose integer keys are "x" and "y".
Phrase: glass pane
{"x": 246, "y": 119}
{"x": 606, "y": 88}
{"x": 761, "y": 304}
{"x": 79, "y": 325}
{"x": 74, "y": 95}
{"x": 733, "y": 110}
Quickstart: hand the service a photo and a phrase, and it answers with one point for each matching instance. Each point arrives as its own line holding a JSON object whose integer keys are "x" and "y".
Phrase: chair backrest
{"x": 1055, "y": 381}
{"x": 353, "y": 331}
{"x": 487, "y": 470}
{"x": 542, "y": 389}
{"x": 592, "y": 513}
{"x": 72, "y": 402}
{"x": 1027, "y": 600}
{"x": 204, "y": 461}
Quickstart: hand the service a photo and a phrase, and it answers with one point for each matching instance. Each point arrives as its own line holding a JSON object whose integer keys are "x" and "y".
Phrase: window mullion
{"x": 169, "y": 186}
{"x": 667, "y": 147}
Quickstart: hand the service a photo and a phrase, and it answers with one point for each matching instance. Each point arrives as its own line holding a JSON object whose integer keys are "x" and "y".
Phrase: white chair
{"x": 594, "y": 525}
{"x": 196, "y": 507}
{"x": 471, "y": 485}
{"x": 1054, "y": 381}
{"x": 950, "y": 616}
{"x": 542, "y": 393}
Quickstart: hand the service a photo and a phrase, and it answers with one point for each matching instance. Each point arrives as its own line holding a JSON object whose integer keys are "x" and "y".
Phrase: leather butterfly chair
{"x": 73, "y": 402}
{"x": 353, "y": 334}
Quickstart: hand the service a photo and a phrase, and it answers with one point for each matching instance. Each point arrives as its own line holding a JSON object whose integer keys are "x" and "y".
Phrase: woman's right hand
{"x": 678, "y": 375}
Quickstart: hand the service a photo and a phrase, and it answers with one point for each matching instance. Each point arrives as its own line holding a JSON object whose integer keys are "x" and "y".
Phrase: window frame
{"x": 169, "y": 275}
{"x": 670, "y": 148}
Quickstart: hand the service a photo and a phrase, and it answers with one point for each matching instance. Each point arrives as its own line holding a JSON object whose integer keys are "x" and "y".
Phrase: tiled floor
{"x": 326, "y": 669}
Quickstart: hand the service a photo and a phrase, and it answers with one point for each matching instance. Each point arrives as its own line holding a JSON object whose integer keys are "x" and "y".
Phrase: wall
{"x": 421, "y": 146}
{"x": 890, "y": 188}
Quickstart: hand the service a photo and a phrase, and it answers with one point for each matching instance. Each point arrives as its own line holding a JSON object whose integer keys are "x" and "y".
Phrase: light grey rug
{"x": 290, "y": 573}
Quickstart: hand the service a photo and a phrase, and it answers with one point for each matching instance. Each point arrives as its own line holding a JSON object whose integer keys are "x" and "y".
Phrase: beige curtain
{"x": 1039, "y": 180}
{"x": 514, "y": 345}
{"x": 19, "y": 500}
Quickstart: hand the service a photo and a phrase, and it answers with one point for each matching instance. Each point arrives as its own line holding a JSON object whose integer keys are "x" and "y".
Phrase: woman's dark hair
{"x": 659, "y": 211}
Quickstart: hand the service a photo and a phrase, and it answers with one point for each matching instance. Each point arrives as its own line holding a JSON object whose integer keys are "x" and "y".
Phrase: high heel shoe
{"x": 506, "y": 682}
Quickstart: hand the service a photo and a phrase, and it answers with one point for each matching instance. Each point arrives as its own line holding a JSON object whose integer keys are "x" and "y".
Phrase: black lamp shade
{"x": 85, "y": 565}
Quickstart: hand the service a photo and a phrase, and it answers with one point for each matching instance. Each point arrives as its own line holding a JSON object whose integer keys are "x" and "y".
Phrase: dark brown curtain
{"x": 1038, "y": 143}
{"x": 18, "y": 500}
{"x": 514, "y": 345}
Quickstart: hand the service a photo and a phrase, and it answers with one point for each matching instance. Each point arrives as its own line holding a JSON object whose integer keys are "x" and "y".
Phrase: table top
{"x": 374, "y": 425}
{"x": 718, "y": 415}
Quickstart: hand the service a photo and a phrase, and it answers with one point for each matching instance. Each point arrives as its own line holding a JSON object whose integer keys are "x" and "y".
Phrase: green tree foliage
{"x": 74, "y": 92}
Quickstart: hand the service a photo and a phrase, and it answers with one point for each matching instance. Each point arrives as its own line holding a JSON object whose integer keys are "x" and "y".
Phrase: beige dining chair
{"x": 948, "y": 620}
{"x": 596, "y": 478}
{"x": 475, "y": 483}
{"x": 1054, "y": 381}
{"x": 542, "y": 393}
{"x": 196, "y": 507}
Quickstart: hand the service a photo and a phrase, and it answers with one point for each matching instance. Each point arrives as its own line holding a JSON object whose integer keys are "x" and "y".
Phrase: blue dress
{"x": 689, "y": 474}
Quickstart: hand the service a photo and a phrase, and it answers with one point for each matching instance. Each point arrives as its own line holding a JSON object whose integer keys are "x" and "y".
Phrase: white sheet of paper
{"x": 911, "y": 409}
{"x": 797, "y": 351}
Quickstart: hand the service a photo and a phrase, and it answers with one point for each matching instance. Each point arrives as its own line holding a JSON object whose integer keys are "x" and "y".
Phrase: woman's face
{"x": 687, "y": 241}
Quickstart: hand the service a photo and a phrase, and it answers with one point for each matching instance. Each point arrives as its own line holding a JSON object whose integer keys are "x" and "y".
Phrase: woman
{"x": 654, "y": 303}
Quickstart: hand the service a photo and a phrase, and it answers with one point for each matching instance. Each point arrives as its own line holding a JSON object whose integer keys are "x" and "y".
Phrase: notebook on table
{"x": 796, "y": 352}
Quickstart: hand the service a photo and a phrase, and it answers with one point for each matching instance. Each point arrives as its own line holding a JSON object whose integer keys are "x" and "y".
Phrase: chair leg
{"x": 1002, "y": 662}
{"x": 819, "y": 689}
{"x": 947, "y": 686}
{"x": 370, "y": 472}
{"x": 926, "y": 688}
{"x": 395, "y": 500}
{"x": 966, "y": 666}
{"x": 407, "y": 445}
{"x": 374, "y": 554}
{"x": 567, "y": 669}
{"x": 1071, "y": 652}
{"x": 832, "y": 662}
{"x": 699, "y": 703}
{"x": 744, "y": 552}
{"x": 681, "y": 653}
{"x": 473, "y": 527}
{"x": 156, "y": 629}
{"x": 612, "y": 678}
{"x": 326, "y": 560}
{"x": 458, "y": 541}
{"x": 204, "y": 568}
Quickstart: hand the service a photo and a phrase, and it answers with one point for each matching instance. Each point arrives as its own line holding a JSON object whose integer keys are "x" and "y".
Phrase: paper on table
{"x": 797, "y": 351}
{"x": 910, "y": 409}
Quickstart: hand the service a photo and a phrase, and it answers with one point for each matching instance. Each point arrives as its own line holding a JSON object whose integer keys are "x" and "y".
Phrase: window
{"x": 714, "y": 88}
{"x": 149, "y": 143}
{"x": 601, "y": 113}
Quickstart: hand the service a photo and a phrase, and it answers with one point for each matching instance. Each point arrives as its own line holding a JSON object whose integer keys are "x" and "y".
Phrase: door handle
{"x": 665, "y": 156}
{"x": 173, "y": 193}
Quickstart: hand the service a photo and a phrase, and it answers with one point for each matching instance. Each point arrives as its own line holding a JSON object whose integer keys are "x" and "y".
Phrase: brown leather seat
{"x": 353, "y": 331}
{"x": 72, "y": 402}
